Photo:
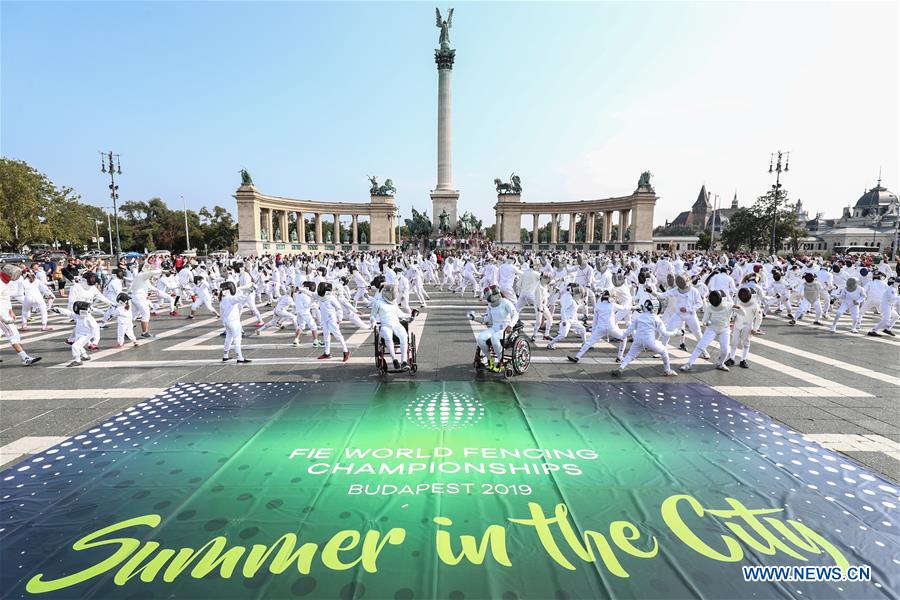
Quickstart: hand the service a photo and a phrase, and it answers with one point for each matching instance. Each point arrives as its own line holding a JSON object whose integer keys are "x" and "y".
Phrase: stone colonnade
{"x": 633, "y": 214}
{"x": 264, "y": 225}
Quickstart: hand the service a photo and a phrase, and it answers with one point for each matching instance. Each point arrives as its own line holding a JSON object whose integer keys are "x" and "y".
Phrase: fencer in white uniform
{"x": 500, "y": 315}
{"x": 647, "y": 329}
{"x": 603, "y": 326}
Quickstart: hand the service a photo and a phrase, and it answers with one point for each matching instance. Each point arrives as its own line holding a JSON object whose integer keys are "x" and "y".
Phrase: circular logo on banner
{"x": 444, "y": 410}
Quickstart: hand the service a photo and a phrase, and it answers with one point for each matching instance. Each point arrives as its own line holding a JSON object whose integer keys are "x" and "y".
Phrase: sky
{"x": 576, "y": 98}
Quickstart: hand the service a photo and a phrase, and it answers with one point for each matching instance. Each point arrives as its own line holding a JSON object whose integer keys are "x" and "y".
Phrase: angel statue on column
{"x": 444, "y": 27}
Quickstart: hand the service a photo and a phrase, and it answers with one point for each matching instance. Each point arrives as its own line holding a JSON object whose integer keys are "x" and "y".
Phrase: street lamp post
{"x": 712, "y": 235}
{"x": 776, "y": 188}
{"x": 187, "y": 233}
{"x": 109, "y": 229}
{"x": 399, "y": 241}
{"x": 97, "y": 230}
{"x": 113, "y": 170}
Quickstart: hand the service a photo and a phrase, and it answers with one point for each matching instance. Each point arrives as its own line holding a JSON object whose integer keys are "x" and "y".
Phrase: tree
{"x": 704, "y": 240}
{"x": 218, "y": 228}
{"x": 490, "y": 232}
{"x": 33, "y": 209}
{"x": 745, "y": 229}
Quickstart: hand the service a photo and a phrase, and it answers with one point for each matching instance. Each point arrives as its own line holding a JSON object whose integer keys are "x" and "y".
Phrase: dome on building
{"x": 877, "y": 196}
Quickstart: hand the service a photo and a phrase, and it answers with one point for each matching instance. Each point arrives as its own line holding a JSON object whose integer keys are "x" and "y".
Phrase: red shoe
{"x": 325, "y": 357}
{"x": 93, "y": 346}
{"x": 174, "y": 313}
{"x": 153, "y": 313}
{"x": 259, "y": 323}
{"x": 346, "y": 357}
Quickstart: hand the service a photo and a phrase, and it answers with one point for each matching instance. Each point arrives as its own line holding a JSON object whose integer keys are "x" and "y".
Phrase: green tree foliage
{"x": 704, "y": 238}
{"x": 34, "y": 210}
{"x": 751, "y": 228}
{"x": 745, "y": 229}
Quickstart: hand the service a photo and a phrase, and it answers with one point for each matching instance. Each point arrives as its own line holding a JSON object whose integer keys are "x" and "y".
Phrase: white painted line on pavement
{"x": 191, "y": 363}
{"x": 845, "y": 331}
{"x": 28, "y": 445}
{"x": 826, "y": 360}
{"x": 853, "y": 442}
{"x": 737, "y": 391}
{"x": 99, "y": 393}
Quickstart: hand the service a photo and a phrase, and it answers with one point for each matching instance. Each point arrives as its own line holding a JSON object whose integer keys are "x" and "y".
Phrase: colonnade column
{"x": 554, "y": 228}
{"x": 498, "y": 227}
{"x": 270, "y": 236}
{"x": 318, "y": 228}
{"x": 589, "y": 228}
{"x": 572, "y": 218}
{"x": 336, "y": 229}
{"x": 285, "y": 237}
{"x": 620, "y": 233}
{"x": 535, "y": 218}
{"x": 299, "y": 228}
{"x": 607, "y": 226}
{"x": 355, "y": 230}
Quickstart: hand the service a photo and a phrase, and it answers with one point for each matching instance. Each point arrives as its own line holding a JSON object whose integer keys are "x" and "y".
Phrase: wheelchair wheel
{"x": 413, "y": 364}
{"x": 476, "y": 363}
{"x": 380, "y": 363}
{"x": 521, "y": 355}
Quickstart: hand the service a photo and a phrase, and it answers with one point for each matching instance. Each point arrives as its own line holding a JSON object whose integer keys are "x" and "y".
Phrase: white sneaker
{"x": 295, "y": 343}
{"x": 722, "y": 368}
{"x": 704, "y": 355}
{"x": 74, "y": 363}
{"x": 685, "y": 367}
{"x": 671, "y": 373}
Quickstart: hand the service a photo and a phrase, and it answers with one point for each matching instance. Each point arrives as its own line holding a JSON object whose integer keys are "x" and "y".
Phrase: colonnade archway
{"x": 621, "y": 223}
{"x": 274, "y": 224}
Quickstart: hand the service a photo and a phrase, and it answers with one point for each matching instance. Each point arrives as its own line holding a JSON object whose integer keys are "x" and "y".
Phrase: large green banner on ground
{"x": 445, "y": 490}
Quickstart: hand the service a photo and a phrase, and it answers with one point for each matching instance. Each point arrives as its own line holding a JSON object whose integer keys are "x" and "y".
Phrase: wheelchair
{"x": 516, "y": 356}
{"x": 382, "y": 353}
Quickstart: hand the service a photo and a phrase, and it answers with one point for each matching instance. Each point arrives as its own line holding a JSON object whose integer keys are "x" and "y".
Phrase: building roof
{"x": 722, "y": 216}
{"x": 877, "y": 196}
{"x": 702, "y": 201}
{"x": 681, "y": 220}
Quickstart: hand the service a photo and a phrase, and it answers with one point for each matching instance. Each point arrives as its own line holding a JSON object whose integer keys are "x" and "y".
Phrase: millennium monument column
{"x": 444, "y": 198}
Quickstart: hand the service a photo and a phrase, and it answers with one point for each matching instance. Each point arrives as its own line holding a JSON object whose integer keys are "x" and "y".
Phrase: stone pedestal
{"x": 381, "y": 222}
{"x": 442, "y": 200}
{"x": 510, "y": 231}
{"x": 249, "y": 230}
{"x": 642, "y": 219}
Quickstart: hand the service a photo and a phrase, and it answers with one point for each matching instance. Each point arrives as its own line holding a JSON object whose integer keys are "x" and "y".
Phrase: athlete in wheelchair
{"x": 509, "y": 351}
{"x": 392, "y": 335}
